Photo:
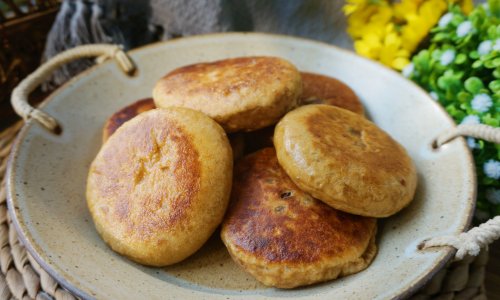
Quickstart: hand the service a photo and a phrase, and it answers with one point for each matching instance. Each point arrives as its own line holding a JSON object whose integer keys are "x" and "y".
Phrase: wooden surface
{"x": 492, "y": 280}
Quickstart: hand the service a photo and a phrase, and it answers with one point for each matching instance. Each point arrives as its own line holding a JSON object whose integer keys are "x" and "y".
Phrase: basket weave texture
{"x": 21, "y": 277}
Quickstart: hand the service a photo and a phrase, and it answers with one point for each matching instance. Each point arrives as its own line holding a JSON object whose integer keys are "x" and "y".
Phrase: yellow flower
{"x": 352, "y": 6}
{"x": 404, "y": 8}
{"x": 371, "y": 20}
{"x": 392, "y": 53}
{"x": 399, "y": 63}
{"x": 391, "y": 31}
{"x": 467, "y": 6}
{"x": 419, "y": 24}
{"x": 386, "y": 48}
{"x": 369, "y": 46}
{"x": 357, "y": 22}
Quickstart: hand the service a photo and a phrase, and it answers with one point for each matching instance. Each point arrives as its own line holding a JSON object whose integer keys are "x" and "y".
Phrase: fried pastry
{"x": 284, "y": 237}
{"x": 125, "y": 114}
{"x": 317, "y": 89}
{"x": 241, "y": 94}
{"x": 345, "y": 160}
{"x": 160, "y": 185}
{"x": 321, "y": 89}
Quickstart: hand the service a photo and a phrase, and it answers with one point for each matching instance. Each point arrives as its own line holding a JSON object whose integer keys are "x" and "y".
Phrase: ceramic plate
{"x": 47, "y": 174}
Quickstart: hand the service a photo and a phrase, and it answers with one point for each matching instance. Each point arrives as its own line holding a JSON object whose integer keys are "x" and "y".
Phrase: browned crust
{"x": 125, "y": 114}
{"x": 317, "y": 89}
{"x": 241, "y": 94}
{"x": 153, "y": 149}
{"x": 345, "y": 160}
{"x": 149, "y": 188}
{"x": 321, "y": 89}
{"x": 273, "y": 223}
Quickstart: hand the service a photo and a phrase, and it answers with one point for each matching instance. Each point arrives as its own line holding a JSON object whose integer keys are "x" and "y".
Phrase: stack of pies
{"x": 311, "y": 174}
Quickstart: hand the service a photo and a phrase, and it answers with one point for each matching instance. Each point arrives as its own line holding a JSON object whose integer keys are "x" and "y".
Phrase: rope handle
{"x": 470, "y": 242}
{"x": 480, "y": 131}
{"x": 20, "y": 93}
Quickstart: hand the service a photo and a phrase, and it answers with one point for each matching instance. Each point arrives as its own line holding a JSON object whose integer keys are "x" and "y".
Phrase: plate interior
{"x": 46, "y": 183}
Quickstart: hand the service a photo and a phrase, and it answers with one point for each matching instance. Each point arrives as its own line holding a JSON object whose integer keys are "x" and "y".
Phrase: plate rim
{"x": 24, "y": 234}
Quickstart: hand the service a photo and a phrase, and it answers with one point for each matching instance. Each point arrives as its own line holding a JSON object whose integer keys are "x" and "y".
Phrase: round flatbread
{"x": 345, "y": 160}
{"x": 284, "y": 237}
{"x": 241, "y": 94}
{"x": 160, "y": 185}
{"x": 321, "y": 89}
{"x": 317, "y": 89}
{"x": 125, "y": 114}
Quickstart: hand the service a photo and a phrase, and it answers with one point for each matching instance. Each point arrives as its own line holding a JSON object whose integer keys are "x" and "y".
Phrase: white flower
{"x": 481, "y": 103}
{"x": 434, "y": 96}
{"x": 496, "y": 47}
{"x": 464, "y": 29}
{"x": 485, "y": 47}
{"x": 492, "y": 169}
{"x": 471, "y": 142}
{"x": 471, "y": 119}
{"x": 445, "y": 19}
{"x": 408, "y": 70}
{"x": 481, "y": 215}
{"x": 447, "y": 57}
{"x": 493, "y": 195}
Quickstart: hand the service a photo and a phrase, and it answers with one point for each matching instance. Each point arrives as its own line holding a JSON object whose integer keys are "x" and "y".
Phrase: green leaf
{"x": 496, "y": 73}
{"x": 477, "y": 64}
{"x": 488, "y": 181}
{"x": 494, "y": 85}
{"x": 422, "y": 61}
{"x": 494, "y": 6}
{"x": 464, "y": 96}
{"x": 492, "y": 32}
{"x": 473, "y": 85}
{"x": 489, "y": 64}
{"x": 496, "y": 62}
{"x": 490, "y": 121}
{"x": 469, "y": 75}
{"x": 474, "y": 55}
{"x": 481, "y": 144}
{"x": 460, "y": 59}
{"x": 440, "y": 37}
{"x": 451, "y": 109}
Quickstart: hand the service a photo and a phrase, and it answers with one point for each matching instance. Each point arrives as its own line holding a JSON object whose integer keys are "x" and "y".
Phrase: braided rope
{"x": 471, "y": 242}
{"x": 479, "y": 131}
{"x": 19, "y": 97}
{"x": 468, "y": 243}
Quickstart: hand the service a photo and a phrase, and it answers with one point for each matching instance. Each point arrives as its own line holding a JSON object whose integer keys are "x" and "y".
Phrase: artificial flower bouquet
{"x": 451, "y": 49}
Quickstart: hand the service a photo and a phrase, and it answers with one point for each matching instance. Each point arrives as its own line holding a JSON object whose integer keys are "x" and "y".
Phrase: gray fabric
{"x": 315, "y": 19}
{"x": 134, "y": 23}
{"x": 189, "y": 17}
{"x": 80, "y": 22}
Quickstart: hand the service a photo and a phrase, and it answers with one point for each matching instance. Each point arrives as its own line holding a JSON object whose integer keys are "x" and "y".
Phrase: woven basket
{"x": 23, "y": 30}
{"x": 22, "y": 278}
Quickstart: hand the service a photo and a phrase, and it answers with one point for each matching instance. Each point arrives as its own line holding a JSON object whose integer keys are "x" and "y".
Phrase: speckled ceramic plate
{"x": 47, "y": 173}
